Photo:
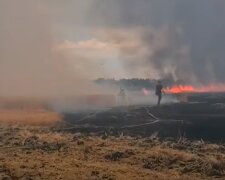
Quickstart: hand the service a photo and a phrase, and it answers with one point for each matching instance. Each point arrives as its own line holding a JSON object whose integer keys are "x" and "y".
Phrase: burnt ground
{"x": 194, "y": 121}
{"x": 179, "y": 141}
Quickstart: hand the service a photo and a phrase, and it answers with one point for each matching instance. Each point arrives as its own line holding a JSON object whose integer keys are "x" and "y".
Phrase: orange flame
{"x": 178, "y": 89}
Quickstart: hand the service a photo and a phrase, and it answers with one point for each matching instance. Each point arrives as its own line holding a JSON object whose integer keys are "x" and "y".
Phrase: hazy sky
{"x": 181, "y": 39}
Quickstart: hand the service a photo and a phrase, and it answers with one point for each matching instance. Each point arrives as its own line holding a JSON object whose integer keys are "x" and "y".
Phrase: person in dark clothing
{"x": 122, "y": 97}
{"x": 158, "y": 91}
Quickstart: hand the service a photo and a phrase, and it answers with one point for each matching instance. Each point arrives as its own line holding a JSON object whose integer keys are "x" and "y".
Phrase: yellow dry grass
{"x": 29, "y": 117}
{"x": 84, "y": 157}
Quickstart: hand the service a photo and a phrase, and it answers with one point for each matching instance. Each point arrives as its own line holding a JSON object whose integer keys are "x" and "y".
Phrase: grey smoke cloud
{"x": 201, "y": 25}
{"x": 183, "y": 39}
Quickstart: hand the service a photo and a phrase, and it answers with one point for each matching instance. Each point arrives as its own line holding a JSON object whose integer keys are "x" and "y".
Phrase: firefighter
{"x": 158, "y": 91}
{"x": 122, "y": 96}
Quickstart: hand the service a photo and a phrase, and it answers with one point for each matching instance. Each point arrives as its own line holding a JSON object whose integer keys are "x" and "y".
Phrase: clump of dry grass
{"x": 184, "y": 162}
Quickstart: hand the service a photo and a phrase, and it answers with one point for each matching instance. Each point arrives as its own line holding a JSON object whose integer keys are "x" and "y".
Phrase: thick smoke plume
{"x": 51, "y": 48}
{"x": 192, "y": 35}
{"x": 29, "y": 66}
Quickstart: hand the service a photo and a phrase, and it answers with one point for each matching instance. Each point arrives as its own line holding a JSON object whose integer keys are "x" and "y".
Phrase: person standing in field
{"x": 122, "y": 97}
{"x": 158, "y": 91}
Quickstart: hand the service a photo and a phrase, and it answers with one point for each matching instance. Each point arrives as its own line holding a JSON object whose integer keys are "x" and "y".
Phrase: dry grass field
{"x": 29, "y": 117}
{"x": 27, "y": 111}
{"x": 32, "y": 147}
{"x": 42, "y": 153}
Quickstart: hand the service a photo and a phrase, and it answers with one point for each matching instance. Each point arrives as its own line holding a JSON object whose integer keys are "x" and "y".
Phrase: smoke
{"x": 25, "y": 48}
{"x": 191, "y": 32}
{"x": 53, "y": 48}
{"x": 29, "y": 66}
{"x": 151, "y": 52}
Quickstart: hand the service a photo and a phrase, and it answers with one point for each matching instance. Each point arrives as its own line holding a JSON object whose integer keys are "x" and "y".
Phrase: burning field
{"x": 212, "y": 88}
{"x": 77, "y": 89}
{"x": 174, "y": 141}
